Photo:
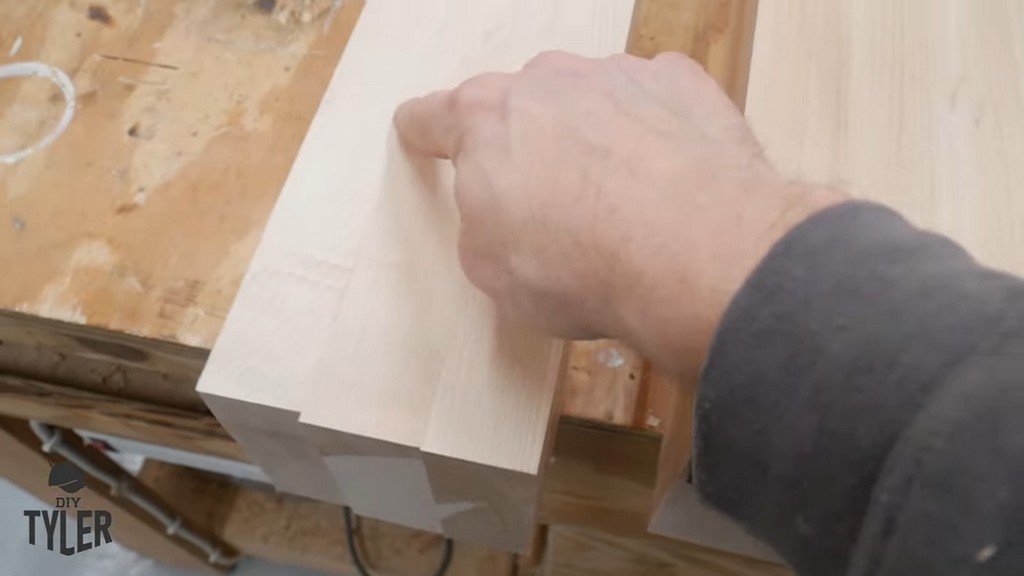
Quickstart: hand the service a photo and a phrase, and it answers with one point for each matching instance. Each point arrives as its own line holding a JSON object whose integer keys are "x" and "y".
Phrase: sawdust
{"x": 298, "y": 11}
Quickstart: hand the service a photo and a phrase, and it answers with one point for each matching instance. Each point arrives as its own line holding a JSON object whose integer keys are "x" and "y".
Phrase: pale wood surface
{"x": 417, "y": 358}
{"x": 914, "y": 104}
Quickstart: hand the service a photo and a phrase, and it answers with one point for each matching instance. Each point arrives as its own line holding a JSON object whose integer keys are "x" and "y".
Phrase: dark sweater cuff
{"x": 837, "y": 339}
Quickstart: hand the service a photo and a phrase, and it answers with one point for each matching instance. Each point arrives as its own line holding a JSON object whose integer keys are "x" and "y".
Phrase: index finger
{"x": 428, "y": 124}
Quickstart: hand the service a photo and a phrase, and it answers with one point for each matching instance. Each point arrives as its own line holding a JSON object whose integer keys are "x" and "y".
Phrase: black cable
{"x": 353, "y": 550}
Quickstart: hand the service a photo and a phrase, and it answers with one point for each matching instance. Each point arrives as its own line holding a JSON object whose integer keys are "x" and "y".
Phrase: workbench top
{"x": 125, "y": 239}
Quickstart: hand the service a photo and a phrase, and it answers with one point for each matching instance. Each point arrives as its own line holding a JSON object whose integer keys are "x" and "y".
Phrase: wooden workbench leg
{"x": 23, "y": 463}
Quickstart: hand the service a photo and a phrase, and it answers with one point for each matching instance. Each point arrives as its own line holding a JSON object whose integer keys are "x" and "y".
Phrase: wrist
{"x": 670, "y": 308}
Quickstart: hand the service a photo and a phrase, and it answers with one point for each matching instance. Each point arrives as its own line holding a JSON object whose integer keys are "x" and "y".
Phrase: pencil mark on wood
{"x": 137, "y": 61}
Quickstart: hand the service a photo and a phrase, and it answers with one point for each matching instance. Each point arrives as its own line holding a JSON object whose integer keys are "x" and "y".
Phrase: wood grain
{"x": 282, "y": 311}
{"x": 912, "y": 104}
{"x": 418, "y": 366}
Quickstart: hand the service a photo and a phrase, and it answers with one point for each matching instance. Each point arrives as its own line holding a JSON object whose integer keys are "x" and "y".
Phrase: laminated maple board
{"x": 358, "y": 364}
{"x": 283, "y": 308}
{"x": 915, "y": 104}
{"x": 430, "y": 409}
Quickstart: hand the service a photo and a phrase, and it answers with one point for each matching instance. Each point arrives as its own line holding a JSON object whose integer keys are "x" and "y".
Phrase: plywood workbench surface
{"x": 141, "y": 217}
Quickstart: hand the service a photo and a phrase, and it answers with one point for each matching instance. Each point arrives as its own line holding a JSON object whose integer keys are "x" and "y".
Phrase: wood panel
{"x": 358, "y": 266}
{"x": 912, "y": 104}
{"x": 420, "y": 381}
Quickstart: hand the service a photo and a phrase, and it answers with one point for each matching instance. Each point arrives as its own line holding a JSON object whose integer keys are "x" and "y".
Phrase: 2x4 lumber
{"x": 430, "y": 409}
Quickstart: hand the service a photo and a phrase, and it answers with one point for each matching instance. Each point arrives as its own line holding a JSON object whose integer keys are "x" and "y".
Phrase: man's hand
{"x": 618, "y": 197}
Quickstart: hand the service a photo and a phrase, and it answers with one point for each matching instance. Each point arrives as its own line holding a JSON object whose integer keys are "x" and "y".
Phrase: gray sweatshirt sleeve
{"x": 862, "y": 406}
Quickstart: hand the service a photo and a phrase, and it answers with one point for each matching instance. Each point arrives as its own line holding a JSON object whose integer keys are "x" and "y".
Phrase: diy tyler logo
{"x": 85, "y": 530}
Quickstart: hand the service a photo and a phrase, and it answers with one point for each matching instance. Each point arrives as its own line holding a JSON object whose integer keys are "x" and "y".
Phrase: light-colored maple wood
{"x": 420, "y": 381}
{"x": 281, "y": 314}
{"x": 492, "y": 422}
{"x": 914, "y": 104}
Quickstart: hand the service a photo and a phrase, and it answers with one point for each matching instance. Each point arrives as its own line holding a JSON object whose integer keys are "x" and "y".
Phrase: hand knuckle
{"x": 554, "y": 59}
{"x": 477, "y": 94}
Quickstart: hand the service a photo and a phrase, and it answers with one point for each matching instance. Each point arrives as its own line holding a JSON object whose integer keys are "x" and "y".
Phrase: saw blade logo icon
{"x": 67, "y": 477}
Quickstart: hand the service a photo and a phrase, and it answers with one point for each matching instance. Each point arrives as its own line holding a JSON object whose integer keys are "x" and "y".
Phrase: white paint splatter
{"x": 15, "y": 48}
{"x": 326, "y": 27}
{"x": 58, "y": 77}
{"x": 92, "y": 253}
{"x": 611, "y": 357}
{"x": 652, "y": 421}
{"x": 986, "y": 554}
{"x": 53, "y": 303}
